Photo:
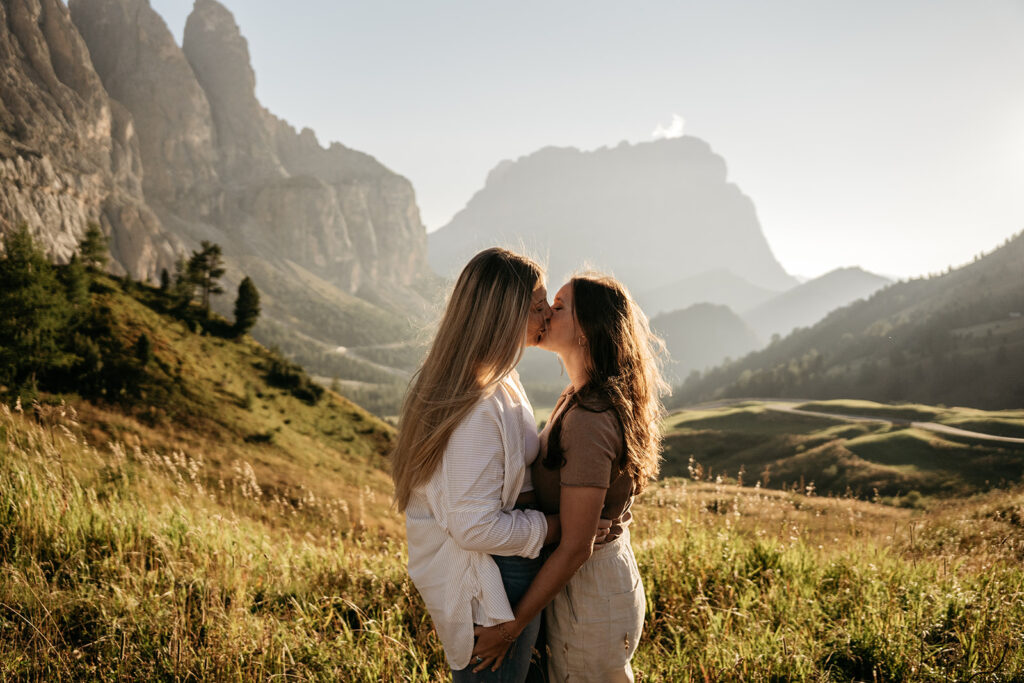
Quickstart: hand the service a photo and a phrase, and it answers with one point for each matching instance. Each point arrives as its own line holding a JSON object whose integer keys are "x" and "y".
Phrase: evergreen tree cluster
{"x": 55, "y": 335}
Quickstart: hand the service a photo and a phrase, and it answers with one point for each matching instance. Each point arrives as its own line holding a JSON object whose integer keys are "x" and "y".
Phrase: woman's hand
{"x": 554, "y": 532}
{"x": 491, "y": 647}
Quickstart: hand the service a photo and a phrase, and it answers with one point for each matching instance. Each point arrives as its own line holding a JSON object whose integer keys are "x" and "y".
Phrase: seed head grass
{"x": 128, "y": 561}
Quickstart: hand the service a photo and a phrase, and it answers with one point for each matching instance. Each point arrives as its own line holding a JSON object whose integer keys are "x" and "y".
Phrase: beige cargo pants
{"x": 594, "y": 623}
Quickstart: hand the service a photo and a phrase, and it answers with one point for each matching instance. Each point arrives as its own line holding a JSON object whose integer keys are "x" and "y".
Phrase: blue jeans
{"x": 516, "y": 573}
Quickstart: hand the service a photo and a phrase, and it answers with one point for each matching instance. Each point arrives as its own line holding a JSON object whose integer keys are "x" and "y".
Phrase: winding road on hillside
{"x": 790, "y": 407}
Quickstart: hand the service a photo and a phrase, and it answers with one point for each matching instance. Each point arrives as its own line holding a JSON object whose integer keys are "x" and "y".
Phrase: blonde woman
{"x": 466, "y": 440}
{"x": 599, "y": 449}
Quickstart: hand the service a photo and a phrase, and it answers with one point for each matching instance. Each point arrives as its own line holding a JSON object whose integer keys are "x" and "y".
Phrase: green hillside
{"x": 769, "y": 444}
{"x": 954, "y": 339}
{"x": 198, "y": 394}
{"x": 702, "y": 336}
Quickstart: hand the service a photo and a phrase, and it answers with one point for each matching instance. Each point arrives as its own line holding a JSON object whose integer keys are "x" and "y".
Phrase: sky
{"x": 886, "y": 134}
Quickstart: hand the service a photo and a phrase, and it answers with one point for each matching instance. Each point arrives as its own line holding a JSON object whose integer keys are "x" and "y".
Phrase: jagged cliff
{"x": 225, "y": 167}
{"x": 104, "y": 118}
{"x": 652, "y": 212}
{"x": 69, "y": 155}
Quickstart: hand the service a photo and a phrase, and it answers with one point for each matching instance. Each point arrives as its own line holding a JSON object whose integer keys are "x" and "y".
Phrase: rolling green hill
{"x": 224, "y": 404}
{"x": 954, "y": 339}
{"x": 901, "y": 456}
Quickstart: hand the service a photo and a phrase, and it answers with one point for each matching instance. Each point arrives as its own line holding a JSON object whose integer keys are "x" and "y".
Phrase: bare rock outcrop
{"x": 220, "y": 166}
{"x": 653, "y": 213}
{"x": 144, "y": 69}
{"x": 69, "y": 155}
{"x": 219, "y": 56}
{"x": 104, "y": 118}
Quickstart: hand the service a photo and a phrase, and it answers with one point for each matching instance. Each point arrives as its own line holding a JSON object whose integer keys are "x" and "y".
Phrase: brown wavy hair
{"x": 624, "y": 363}
{"x": 478, "y": 341}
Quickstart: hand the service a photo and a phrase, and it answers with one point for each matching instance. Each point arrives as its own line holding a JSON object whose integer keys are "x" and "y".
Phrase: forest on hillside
{"x": 954, "y": 339}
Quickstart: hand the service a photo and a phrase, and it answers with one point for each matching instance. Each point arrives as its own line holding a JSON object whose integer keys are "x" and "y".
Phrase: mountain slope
{"x": 652, "y": 213}
{"x": 712, "y": 287}
{"x": 808, "y": 302}
{"x": 955, "y": 339}
{"x": 701, "y": 337}
{"x": 227, "y": 404}
{"x": 69, "y": 155}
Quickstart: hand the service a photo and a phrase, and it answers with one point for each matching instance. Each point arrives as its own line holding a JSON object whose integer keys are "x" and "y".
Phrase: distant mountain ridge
{"x": 953, "y": 339}
{"x": 702, "y": 336}
{"x": 719, "y": 286}
{"x": 652, "y": 213}
{"x": 809, "y": 302}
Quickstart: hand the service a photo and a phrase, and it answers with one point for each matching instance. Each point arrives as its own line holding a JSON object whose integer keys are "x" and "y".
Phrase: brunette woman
{"x": 599, "y": 450}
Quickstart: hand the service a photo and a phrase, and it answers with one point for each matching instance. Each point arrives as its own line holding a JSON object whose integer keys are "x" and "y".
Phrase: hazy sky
{"x": 883, "y": 133}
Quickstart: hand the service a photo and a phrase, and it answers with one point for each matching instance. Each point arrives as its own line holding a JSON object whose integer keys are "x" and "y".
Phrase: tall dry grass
{"x": 122, "y": 563}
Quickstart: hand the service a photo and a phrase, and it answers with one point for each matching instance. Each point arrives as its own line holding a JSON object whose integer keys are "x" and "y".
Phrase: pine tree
{"x": 184, "y": 287}
{"x": 165, "y": 281}
{"x": 34, "y": 312}
{"x": 93, "y": 248}
{"x": 205, "y": 268}
{"x": 76, "y": 285}
{"x": 247, "y": 306}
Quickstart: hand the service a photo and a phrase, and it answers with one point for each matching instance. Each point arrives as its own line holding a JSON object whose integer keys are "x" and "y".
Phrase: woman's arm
{"x": 580, "y": 511}
{"x": 474, "y": 475}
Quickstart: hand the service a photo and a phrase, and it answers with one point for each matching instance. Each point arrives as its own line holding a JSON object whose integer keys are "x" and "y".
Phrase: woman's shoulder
{"x": 582, "y": 417}
{"x": 488, "y": 406}
{"x": 591, "y": 412}
{"x": 591, "y": 431}
{"x": 592, "y": 401}
{"x": 491, "y": 406}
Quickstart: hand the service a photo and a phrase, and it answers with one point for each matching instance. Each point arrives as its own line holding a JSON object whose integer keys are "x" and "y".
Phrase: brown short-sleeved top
{"x": 594, "y": 451}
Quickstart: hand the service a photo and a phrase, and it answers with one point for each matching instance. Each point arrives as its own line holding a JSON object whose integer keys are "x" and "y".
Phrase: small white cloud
{"x": 672, "y": 130}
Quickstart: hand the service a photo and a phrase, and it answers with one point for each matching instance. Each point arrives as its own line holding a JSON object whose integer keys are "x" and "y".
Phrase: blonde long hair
{"x": 479, "y": 340}
{"x": 623, "y": 361}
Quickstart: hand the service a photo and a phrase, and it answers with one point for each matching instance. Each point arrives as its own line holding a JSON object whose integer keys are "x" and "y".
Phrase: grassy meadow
{"x": 898, "y": 461}
{"x": 129, "y": 562}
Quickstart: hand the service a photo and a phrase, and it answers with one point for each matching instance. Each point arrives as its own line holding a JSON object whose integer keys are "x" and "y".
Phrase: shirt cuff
{"x": 538, "y": 525}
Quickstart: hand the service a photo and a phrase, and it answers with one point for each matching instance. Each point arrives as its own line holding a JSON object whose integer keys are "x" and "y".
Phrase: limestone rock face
{"x": 219, "y": 56}
{"x": 69, "y": 156}
{"x": 144, "y": 70}
{"x": 379, "y": 207}
{"x": 652, "y": 213}
{"x": 219, "y": 166}
{"x": 104, "y": 118}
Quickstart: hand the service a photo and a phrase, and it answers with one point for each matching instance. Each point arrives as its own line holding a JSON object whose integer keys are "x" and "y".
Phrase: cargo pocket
{"x": 625, "y": 623}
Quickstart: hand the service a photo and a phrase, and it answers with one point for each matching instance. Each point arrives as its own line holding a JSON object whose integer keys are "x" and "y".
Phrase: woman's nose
{"x": 547, "y": 312}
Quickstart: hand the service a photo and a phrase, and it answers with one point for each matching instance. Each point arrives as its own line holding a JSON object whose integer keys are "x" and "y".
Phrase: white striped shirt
{"x": 464, "y": 514}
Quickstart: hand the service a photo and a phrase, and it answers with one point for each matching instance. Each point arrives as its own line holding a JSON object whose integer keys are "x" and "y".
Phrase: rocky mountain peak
{"x": 651, "y": 212}
{"x": 132, "y": 49}
{"x": 219, "y": 55}
{"x": 105, "y": 119}
{"x": 69, "y": 155}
